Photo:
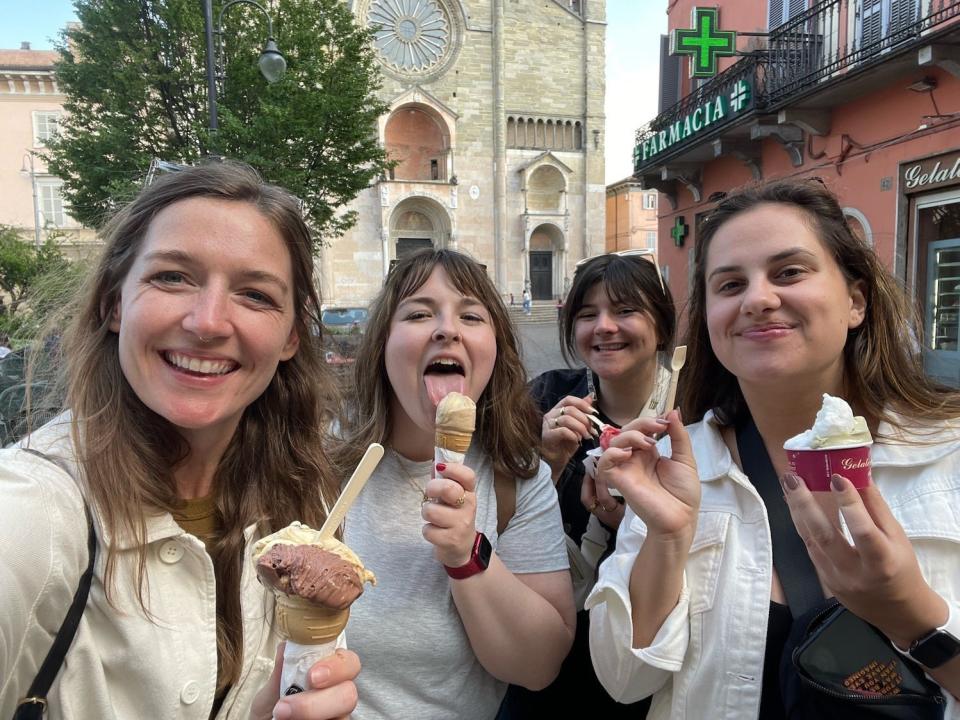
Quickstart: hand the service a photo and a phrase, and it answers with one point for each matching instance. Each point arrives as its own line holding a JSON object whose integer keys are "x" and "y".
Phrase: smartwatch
{"x": 478, "y": 562}
{"x": 938, "y": 646}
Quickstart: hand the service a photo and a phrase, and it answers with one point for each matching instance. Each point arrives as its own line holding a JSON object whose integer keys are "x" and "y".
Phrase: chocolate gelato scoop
{"x": 312, "y": 573}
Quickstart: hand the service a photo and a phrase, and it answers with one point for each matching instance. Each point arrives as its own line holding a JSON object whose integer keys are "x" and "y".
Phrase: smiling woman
{"x": 473, "y": 581}
{"x": 195, "y": 400}
{"x": 726, "y": 561}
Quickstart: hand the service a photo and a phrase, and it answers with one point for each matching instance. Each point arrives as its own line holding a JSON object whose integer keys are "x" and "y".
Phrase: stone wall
{"x": 553, "y": 66}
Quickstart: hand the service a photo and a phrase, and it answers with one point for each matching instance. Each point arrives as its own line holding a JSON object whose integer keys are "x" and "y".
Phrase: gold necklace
{"x": 401, "y": 463}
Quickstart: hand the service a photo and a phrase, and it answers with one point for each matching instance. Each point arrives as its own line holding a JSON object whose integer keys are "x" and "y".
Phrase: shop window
{"x": 938, "y": 231}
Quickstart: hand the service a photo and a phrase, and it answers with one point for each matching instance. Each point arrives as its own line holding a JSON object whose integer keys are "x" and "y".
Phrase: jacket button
{"x": 190, "y": 693}
{"x": 171, "y": 552}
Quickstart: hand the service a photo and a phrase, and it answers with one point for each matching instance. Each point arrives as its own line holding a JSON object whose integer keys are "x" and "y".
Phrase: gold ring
{"x": 563, "y": 410}
{"x": 461, "y": 500}
{"x": 610, "y": 510}
{"x": 556, "y": 421}
{"x": 593, "y": 507}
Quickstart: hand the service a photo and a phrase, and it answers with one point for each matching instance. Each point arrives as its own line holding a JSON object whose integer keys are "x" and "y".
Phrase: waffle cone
{"x": 307, "y": 623}
{"x": 452, "y": 440}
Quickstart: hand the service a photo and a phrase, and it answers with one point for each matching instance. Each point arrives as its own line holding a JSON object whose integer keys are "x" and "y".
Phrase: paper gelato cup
{"x": 816, "y": 467}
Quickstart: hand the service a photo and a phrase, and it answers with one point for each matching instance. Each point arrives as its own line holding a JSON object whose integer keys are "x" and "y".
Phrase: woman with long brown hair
{"x": 721, "y": 571}
{"x": 470, "y": 595}
{"x": 195, "y": 397}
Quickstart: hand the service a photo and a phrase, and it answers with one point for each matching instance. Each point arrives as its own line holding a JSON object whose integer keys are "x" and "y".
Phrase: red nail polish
{"x": 441, "y": 467}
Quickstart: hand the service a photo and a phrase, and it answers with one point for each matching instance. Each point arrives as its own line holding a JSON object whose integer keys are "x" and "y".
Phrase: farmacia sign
{"x": 712, "y": 111}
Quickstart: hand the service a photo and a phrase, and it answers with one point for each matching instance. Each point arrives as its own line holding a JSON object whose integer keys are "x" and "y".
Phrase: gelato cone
{"x": 314, "y": 581}
{"x": 455, "y": 422}
{"x": 307, "y": 623}
{"x": 453, "y": 427}
{"x": 838, "y": 443}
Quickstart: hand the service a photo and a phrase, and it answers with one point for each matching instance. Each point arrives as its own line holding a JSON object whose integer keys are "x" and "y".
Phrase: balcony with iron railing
{"x": 823, "y": 48}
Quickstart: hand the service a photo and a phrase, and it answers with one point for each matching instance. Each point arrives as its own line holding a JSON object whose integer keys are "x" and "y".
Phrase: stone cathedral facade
{"x": 496, "y": 121}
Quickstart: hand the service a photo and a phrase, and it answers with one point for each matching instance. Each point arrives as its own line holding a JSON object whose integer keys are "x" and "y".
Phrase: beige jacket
{"x": 121, "y": 664}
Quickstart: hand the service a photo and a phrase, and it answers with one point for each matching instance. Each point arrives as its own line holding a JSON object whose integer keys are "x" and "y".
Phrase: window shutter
{"x": 903, "y": 14}
{"x": 669, "y": 75}
{"x": 775, "y": 15}
{"x": 871, "y": 23}
{"x": 795, "y": 8}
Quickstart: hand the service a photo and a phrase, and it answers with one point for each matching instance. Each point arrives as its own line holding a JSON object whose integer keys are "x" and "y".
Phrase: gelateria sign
{"x": 720, "y": 108}
{"x": 932, "y": 173}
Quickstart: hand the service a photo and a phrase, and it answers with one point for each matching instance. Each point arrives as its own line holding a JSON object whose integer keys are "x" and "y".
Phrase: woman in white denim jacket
{"x": 196, "y": 390}
{"x": 787, "y": 304}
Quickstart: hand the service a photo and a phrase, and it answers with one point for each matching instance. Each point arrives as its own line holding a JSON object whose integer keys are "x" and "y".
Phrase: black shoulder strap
{"x": 797, "y": 575}
{"x": 33, "y": 705}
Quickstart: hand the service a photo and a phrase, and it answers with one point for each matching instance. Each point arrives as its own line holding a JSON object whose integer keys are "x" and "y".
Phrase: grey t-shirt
{"x": 417, "y": 660}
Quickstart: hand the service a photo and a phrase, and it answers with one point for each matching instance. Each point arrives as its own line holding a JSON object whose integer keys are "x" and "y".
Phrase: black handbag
{"x": 843, "y": 668}
{"x": 835, "y": 666}
{"x": 34, "y": 704}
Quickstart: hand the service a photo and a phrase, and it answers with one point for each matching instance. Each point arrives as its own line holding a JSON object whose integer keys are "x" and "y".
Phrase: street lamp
{"x": 27, "y": 170}
{"x": 271, "y": 63}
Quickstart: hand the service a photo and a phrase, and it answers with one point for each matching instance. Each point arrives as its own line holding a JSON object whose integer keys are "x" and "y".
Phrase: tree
{"x": 134, "y": 76}
{"x": 20, "y": 265}
{"x": 33, "y": 281}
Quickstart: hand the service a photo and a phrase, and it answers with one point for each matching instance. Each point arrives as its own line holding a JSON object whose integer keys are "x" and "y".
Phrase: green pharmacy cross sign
{"x": 704, "y": 43}
{"x": 679, "y": 231}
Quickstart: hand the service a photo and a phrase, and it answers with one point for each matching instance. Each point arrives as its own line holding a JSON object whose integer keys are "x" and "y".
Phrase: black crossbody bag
{"x": 835, "y": 666}
{"x": 34, "y": 704}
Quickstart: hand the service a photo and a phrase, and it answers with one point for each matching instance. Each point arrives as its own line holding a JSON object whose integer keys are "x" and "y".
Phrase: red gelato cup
{"x": 817, "y": 466}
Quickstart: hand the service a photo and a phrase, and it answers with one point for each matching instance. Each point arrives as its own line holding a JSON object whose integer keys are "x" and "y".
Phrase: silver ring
{"x": 563, "y": 410}
{"x": 556, "y": 421}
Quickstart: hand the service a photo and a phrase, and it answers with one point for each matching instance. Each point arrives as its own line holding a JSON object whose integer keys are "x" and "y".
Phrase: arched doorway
{"x": 417, "y": 223}
{"x": 545, "y": 242}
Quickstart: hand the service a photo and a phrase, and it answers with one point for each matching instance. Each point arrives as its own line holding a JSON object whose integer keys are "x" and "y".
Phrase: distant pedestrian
{"x": 527, "y": 301}
{"x": 559, "y": 307}
{"x": 511, "y": 300}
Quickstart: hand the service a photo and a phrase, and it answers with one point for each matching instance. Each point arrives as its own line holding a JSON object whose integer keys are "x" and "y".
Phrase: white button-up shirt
{"x": 121, "y": 664}
{"x": 706, "y": 660}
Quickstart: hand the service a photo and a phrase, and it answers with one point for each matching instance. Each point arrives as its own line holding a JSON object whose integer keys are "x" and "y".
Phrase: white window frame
{"x": 651, "y": 239}
{"x": 42, "y": 117}
{"x": 49, "y": 193}
{"x": 650, "y": 201}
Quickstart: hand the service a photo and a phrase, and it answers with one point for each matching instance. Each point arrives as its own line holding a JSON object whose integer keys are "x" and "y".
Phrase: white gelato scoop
{"x": 836, "y": 426}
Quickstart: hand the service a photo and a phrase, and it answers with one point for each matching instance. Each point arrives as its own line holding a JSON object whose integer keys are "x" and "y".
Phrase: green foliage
{"x": 23, "y": 268}
{"x": 134, "y": 76}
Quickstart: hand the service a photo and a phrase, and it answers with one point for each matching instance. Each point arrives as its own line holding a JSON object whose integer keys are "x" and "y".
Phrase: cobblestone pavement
{"x": 541, "y": 347}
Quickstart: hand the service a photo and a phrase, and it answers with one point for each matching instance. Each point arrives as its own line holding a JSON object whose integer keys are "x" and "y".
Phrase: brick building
{"x": 864, "y": 94}
{"x": 496, "y": 119}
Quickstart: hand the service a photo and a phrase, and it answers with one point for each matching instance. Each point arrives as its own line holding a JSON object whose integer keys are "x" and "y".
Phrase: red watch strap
{"x": 478, "y": 562}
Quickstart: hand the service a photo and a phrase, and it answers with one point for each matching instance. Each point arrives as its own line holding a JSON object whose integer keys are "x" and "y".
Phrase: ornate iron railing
{"x": 835, "y": 37}
{"x": 826, "y": 43}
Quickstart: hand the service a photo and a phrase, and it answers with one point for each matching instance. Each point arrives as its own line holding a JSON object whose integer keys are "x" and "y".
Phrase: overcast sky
{"x": 633, "y": 50}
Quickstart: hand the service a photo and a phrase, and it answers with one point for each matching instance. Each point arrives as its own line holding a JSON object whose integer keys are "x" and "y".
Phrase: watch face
{"x": 936, "y": 649}
{"x": 484, "y": 551}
